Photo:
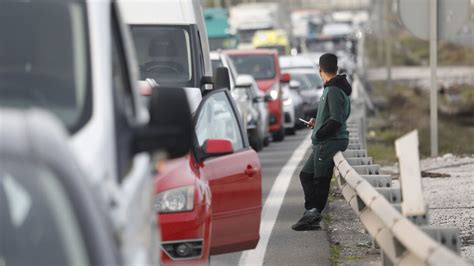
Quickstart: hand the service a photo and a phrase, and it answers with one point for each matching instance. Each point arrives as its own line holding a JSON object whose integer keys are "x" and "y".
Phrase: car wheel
{"x": 256, "y": 144}
{"x": 291, "y": 131}
{"x": 279, "y": 135}
{"x": 266, "y": 141}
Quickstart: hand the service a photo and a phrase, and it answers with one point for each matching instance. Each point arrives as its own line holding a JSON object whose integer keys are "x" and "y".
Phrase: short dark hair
{"x": 328, "y": 63}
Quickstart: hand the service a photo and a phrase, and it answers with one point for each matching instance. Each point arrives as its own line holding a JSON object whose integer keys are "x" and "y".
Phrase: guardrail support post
{"x": 410, "y": 174}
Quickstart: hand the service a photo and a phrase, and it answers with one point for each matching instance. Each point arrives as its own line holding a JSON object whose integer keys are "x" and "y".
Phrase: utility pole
{"x": 388, "y": 42}
{"x": 380, "y": 21}
{"x": 434, "y": 83}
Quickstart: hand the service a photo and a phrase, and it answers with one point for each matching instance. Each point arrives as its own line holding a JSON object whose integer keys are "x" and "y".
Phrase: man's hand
{"x": 311, "y": 124}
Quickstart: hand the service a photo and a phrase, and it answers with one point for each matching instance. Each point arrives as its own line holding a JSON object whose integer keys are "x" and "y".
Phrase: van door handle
{"x": 250, "y": 171}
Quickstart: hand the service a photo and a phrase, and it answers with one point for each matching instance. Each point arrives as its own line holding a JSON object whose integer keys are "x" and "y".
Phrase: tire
{"x": 279, "y": 135}
{"x": 291, "y": 131}
{"x": 256, "y": 144}
{"x": 266, "y": 141}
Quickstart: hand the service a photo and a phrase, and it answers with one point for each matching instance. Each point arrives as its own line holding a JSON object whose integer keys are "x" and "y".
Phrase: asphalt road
{"x": 283, "y": 199}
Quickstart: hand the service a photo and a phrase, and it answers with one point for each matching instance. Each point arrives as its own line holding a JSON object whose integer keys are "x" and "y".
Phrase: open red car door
{"x": 234, "y": 175}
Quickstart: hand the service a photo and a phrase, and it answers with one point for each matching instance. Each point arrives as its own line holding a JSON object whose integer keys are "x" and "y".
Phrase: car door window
{"x": 44, "y": 59}
{"x": 217, "y": 119}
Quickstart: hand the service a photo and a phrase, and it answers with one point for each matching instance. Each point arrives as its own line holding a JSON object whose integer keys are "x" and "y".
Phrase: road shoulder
{"x": 349, "y": 244}
{"x": 288, "y": 247}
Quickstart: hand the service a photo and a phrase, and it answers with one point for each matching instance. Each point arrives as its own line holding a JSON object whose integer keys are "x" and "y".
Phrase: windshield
{"x": 314, "y": 79}
{"x": 331, "y": 45}
{"x": 38, "y": 225}
{"x": 303, "y": 80}
{"x": 44, "y": 59}
{"x": 246, "y": 36}
{"x": 164, "y": 54}
{"x": 228, "y": 42}
{"x": 218, "y": 43}
{"x": 259, "y": 66}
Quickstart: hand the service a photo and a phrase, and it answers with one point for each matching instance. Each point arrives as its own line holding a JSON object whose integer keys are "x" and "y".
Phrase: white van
{"x": 74, "y": 59}
{"x": 171, "y": 43}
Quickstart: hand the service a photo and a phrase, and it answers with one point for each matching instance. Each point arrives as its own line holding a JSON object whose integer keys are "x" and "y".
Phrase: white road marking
{"x": 273, "y": 204}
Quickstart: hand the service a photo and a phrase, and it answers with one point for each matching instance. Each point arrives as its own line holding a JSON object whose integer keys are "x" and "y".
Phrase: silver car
{"x": 258, "y": 119}
{"x": 310, "y": 89}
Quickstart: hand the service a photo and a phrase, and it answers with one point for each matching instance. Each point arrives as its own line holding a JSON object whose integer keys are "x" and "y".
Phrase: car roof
{"x": 297, "y": 61}
{"x": 150, "y": 12}
{"x": 215, "y": 55}
{"x": 302, "y": 70}
{"x": 251, "y": 52}
{"x": 334, "y": 29}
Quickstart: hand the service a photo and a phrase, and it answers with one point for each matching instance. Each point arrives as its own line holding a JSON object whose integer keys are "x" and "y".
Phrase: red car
{"x": 209, "y": 202}
{"x": 263, "y": 65}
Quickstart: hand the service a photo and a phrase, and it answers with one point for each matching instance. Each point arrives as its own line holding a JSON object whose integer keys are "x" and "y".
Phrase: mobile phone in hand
{"x": 304, "y": 121}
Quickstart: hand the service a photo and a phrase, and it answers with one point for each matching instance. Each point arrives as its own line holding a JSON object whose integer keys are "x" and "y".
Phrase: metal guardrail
{"x": 404, "y": 239}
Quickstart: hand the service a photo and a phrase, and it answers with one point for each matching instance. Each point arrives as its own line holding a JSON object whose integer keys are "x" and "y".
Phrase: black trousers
{"x": 317, "y": 173}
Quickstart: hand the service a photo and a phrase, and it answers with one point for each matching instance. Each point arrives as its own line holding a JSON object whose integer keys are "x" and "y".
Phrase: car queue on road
{"x": 147, "y": 131}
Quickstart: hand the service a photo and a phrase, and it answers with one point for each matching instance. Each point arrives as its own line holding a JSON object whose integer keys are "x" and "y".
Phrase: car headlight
{"x": 249, "y": 118}
{"x": 273, "y": 91}
{"x": 175, "y": 200}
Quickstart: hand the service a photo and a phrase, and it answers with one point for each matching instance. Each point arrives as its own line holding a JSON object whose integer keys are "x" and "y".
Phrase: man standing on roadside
{"x": 329, "y": 136}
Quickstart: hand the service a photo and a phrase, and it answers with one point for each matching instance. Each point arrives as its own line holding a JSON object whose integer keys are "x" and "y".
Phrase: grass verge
{"x": 404, "y": 109}
{"x": 335, "y": 254}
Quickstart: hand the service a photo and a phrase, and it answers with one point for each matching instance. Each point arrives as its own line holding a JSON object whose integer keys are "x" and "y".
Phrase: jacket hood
{"x": 341, "y": 82}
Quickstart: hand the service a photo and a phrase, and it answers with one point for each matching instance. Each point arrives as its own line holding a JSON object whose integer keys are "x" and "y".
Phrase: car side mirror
{"x": 258, "y": 99}
{"x": 170, "y": 127}
{"x": 294, "y": 84}
{"x": 217, "y": 147}
{"x": 222, "y": 78}
{"x": 244, "y": 81}
{"x": 285, "y": 78}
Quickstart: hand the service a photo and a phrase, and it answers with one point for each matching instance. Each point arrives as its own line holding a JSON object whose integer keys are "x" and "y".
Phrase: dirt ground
{"x": 350, "y": 245}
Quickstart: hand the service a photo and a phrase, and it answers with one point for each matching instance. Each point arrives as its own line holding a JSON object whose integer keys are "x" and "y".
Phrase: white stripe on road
{"x": 273, "y": 204}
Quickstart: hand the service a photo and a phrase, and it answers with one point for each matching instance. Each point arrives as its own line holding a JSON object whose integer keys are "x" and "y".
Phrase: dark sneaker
{"x": 309, "y": 221}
